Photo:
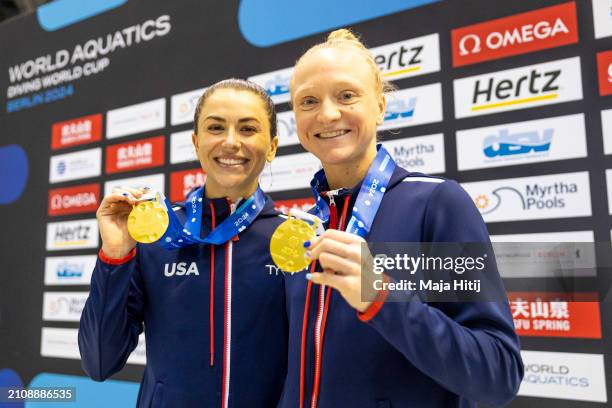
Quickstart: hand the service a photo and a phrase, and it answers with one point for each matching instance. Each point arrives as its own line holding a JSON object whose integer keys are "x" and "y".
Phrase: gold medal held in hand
{"x": 148, "y": 221}
{"x": 287, "y": 243}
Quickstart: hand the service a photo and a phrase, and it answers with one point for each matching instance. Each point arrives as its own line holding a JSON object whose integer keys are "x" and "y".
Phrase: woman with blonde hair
{"x": 351, "y": 345}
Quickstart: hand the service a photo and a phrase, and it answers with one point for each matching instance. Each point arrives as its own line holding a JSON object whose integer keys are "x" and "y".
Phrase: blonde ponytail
{"x": 344, "y": 38}
{"x": 344, "y": 34}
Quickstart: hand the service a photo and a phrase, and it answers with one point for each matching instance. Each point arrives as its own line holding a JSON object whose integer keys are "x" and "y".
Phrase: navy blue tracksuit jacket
{"x": 402, "y": 354}
{"x": 214, "y": 318}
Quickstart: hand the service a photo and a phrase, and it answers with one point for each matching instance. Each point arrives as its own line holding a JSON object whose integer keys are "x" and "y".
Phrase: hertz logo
{"x": 533, "y": 87}
{"x": 416, "y": 56}
{"x": 519, "y": 88}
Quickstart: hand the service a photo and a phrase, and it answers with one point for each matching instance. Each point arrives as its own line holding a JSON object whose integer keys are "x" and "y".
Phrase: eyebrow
{"x": 342, "y": 84}
{"x": 221, "y": 119}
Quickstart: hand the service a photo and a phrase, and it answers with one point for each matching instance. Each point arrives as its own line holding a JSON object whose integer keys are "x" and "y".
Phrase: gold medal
{"x": 148, "y": 222}
{"x": 287, "y": 244}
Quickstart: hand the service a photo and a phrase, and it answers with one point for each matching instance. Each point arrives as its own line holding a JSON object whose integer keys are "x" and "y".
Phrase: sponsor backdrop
{"x": 512, "y": 99}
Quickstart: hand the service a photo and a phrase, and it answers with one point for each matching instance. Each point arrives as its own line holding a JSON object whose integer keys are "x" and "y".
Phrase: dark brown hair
{"x": 239, "y": 85}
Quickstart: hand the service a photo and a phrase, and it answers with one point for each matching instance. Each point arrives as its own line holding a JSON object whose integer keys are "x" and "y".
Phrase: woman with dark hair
{"x": 214, "y": 317}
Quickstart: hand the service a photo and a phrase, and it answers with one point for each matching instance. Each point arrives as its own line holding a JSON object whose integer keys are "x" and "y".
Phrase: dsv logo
{"x": 67, "y": 270}
{"x": 181, "y": 269}
{"x": 400, "y": 109}
{"x": 472, "y": 43}
{"x": 507, "y": 144}
{"x": 278, "y": 85}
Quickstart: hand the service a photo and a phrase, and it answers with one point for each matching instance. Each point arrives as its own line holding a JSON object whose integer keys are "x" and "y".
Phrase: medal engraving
{"x": 287, "y": 245}
{"x": 147, "y": 222}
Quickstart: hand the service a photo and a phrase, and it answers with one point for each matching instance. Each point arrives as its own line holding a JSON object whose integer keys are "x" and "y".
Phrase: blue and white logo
{"x": 533, "y": 141}
{"x": 68, "y": 270}
{"x": 276, "y": 83}
{"x": 413, "y": 107}
{"x": 61, "y": 167}
{"x": 505, "y": 143}
{"x": 400, "y": 109}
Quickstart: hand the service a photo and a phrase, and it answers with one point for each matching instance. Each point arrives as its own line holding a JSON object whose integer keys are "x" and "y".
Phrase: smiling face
{"x": 337, "y": 106}
{"x": 233, "y": 142}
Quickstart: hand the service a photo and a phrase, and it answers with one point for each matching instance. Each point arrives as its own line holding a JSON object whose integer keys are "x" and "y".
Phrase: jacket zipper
{"x": 324, "y": 299}
{"x": 227, "y": 349}
{"x": 333, "y": 214}
{"x": 333, "y": 223}
{"x": 211, "y": 307}
{"x": 321, "y": 308}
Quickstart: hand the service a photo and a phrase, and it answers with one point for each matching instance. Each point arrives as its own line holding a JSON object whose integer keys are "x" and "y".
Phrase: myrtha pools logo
{"x": 551, "y": 196}
{"x": 533, "y": 197}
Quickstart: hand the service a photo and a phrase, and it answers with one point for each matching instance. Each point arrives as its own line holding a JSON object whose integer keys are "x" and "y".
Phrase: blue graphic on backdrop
{"x": 401, "y": 109}
{"x": 9, "y": 378}
{"x": 89, "y": 394}
{"x": 265, "y": 23}
{"x": 506, "y": 144}
{"x": 13, "y": 173}
{"x": 68, "y": 271}
{"x": 278, "y": 86}
{"x": 61, "y": 13}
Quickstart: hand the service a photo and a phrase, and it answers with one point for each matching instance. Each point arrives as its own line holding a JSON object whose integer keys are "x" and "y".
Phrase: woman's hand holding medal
{"x": 112, "y": 218}
{"x": 344, "y": 269}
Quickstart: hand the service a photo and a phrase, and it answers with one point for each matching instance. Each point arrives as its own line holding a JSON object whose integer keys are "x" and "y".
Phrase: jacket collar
{"x": 221, "y": 208}
{"x": 399, "y": 174}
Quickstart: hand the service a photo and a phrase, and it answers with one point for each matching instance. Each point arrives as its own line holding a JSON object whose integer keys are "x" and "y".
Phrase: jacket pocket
{"x": 158, "y": 395}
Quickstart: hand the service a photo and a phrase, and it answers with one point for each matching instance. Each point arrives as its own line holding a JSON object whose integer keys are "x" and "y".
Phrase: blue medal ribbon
{"x": 179, "y": 236}
{"x": 370, "y": 194}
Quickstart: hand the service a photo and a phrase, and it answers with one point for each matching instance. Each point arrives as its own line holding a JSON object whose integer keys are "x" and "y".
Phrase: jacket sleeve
{"x": 112, "y": 317}
{"x": 469, "y": 348}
